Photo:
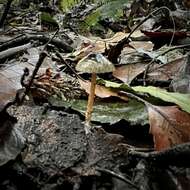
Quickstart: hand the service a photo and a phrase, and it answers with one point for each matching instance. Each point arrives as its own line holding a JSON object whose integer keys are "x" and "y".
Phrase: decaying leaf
{"x": 98, "y": 45}
{"x": 167, "y": 71}
{"x": 7, "y": 90}
{"x": 169, "y": 126}
{"x": 165, "y": 35}
{"x": 182, "y": 100}
{"x": 145, "y": 45}
{"x": 101, "y": 91}
{"x": 109, "y": 112}
{"x": 135, "y": 52}
{"x": 127, "y": 73}
{"x": 181, "y": 82}
{"x": 13, "y": 145}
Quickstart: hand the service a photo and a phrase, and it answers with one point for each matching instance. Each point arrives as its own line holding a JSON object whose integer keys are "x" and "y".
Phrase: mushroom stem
{"x": 90, "y": 99}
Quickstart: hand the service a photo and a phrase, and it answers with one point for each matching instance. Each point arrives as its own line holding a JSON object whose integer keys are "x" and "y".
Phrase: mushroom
{"x": 93, "y": 63}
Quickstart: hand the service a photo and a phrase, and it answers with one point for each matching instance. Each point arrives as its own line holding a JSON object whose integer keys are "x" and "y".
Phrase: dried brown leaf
{"x": 100, "y": 91}
{"x": 167, "y": 71}
{"x": 7, "y": 90}
{"x": 127, "y": 73}
{"x": 145, "y": 45}
{"x": 98, "y": 45}
{"x": 169, "y": 126}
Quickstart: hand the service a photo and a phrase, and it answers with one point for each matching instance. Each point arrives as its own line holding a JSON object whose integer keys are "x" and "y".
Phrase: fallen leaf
{"x": 98, "y": 45}
{"x": 117, "y": 37}
{"x": 8, "y": 90}
{"x": 182, "y": 100}
{"x": 181, "y": 82}
{"x": 12, "y": 146}
{"x": 135, "y": 52}
{"x": 100, "y": 91}
{"x": 167, "y": 71}
{"x": 109, "y": 112}
{"x": 145, "y": 45}
{"x": 126, "y": 73}
{"x": 164, "y": 55}
{"x": 169, "y": 126}
{"x": 10, "y": 76}
{"x": 165, "y": 34}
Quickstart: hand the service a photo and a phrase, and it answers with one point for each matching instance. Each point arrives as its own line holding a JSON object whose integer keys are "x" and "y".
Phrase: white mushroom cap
{"x": 95, "y": 63}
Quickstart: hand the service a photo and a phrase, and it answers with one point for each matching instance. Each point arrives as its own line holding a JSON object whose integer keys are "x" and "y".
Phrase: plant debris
{"x": 139, "y": 129}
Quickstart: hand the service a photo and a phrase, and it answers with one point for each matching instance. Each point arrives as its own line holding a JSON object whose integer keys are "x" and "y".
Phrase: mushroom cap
{"x": 95, "y": 63}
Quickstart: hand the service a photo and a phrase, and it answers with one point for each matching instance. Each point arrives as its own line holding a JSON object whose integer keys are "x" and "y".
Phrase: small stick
{"x": 42, "y": 56}
{"x": 6, "y": 10}
{"x": 163, "y": 53}
{"x": 68, "y": 66}
{"x": 118, "y": 176}
{"x": 178, "y": 155}
{"x": 116, "y": 50}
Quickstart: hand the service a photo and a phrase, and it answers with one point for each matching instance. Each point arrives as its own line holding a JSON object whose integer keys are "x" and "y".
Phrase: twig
{"x": 116, "y": 50}
{"x": 36, "y": 37}
{"x": 15, "y": 50}
{"x": 42, "y": 56}
{"x": 118, "y": 176}
{"x": 161, "y": 54}
{"x": 173, "y": 48}
{"x": 50, "y": 39}
{"x": 68, "y": 66}
{"x": 178, "y": 155}
{"x": 6, "y": 10}
{"x": 171, "y": 40}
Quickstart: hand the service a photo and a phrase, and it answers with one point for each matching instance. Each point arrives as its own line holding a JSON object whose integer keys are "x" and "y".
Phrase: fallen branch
{"x": 36, "y": 37}
{"x": 6, "y": 10}
{"x": 176, "y": 156}
{"x": 13, "y": 51}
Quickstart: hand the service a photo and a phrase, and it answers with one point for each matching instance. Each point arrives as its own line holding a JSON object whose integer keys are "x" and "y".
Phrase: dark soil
{"x": 59, "y": 155}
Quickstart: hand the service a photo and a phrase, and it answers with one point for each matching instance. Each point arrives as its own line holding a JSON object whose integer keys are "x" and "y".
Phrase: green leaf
{"x": 115, "y": 85}
{"x": 182, "y": 100}
{"x": 105, "y": 9}
{"x": 47, "y": 18}
{"x": 67, "y": 4}
{"x": 110, "y": 112}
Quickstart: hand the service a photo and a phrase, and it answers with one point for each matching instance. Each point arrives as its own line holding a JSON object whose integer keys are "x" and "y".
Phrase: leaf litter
{"x": 121, "y": 97}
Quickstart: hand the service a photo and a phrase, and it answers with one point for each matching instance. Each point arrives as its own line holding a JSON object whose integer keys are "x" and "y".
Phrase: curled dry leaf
{"x": 98, "y": 45}
{"x": 145, "y": 45}
{"x": 167, "y": 71}
{"x": 100, "y": 91}
{"x": 169, "y": 126}
{"x": 127, "y": 73}
{"x": 7, "y": 90}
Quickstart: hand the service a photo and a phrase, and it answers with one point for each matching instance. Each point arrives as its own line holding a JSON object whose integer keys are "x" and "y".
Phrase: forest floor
{"x": 139, "y": 135}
